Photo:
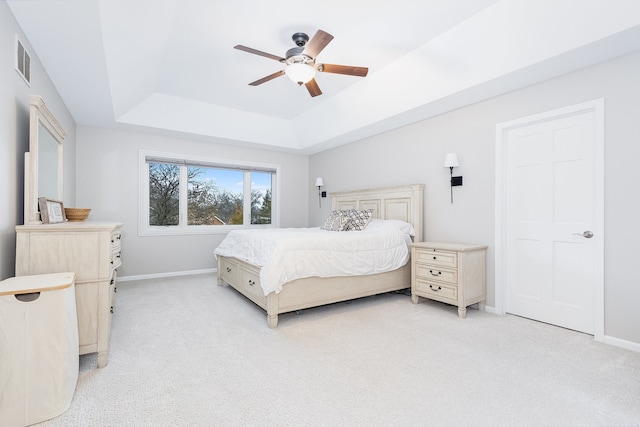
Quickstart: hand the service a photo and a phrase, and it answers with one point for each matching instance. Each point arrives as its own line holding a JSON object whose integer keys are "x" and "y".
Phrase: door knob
{"x": 587, "y": 234}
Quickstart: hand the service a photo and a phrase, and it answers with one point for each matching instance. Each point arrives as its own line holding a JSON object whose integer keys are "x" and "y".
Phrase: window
{"x": 191, "y": 195}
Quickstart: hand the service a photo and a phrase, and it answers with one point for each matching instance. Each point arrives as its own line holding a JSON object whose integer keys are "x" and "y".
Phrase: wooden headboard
{"x": 403, "y": 202}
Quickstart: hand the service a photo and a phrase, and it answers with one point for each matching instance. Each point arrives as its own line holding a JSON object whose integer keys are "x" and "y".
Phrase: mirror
{"x": 43, "y": 163}
{"x": 48, "y": 168}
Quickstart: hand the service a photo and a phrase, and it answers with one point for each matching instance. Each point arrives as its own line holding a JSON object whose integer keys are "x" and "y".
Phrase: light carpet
{"x": 186, "y": 352}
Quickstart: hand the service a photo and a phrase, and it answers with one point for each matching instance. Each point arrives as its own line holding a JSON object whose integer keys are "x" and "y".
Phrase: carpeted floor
{"x": 186, "y": 352}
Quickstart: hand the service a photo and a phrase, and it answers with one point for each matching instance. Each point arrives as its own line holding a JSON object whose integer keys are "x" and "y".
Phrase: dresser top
{"x": 71, "y": 226}
{"x": 445, "y": 246}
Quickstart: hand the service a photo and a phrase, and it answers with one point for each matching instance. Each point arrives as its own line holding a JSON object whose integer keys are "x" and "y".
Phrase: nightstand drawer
{"x": 428, "y": 272}
{"x": 437, "y": 257}
{"x": 437, "y": 289}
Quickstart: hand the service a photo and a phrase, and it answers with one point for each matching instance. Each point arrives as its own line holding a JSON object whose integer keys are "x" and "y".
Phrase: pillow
{"x": 336, "y": 222}
{"x": 359, "y": 219}
{"x": 403, "y": 226}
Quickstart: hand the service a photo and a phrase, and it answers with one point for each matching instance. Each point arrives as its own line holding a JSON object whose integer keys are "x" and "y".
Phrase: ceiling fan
{"x": 301, "y": 66}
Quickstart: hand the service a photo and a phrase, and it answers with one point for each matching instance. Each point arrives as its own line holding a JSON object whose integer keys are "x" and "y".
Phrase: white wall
{"x": 14, "y": 135}
{"x": 414, "y": 154}
{"x": 107, "y": 168}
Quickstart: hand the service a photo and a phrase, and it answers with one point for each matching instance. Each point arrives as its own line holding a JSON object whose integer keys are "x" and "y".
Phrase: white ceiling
{"x": 169, "y": 65}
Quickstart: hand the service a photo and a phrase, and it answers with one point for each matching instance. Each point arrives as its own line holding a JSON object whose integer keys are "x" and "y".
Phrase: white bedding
{"x": 286, "y": 254}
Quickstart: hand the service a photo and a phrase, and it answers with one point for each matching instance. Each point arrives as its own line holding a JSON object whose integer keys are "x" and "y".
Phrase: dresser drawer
{"x": 430, "y": 272}
{"x": 228, "y": 271}
{"x": 437, "y": 257}
{"x": 112, "y": 288}
{"x": 115, "y": 258}
{"x": 440, "y": 290}
{"x": 250, "y": 282}
{"x": 116, "y": 237}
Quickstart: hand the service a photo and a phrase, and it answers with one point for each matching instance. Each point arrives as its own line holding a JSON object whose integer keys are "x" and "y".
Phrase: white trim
{"x": 491, "y": 310}
{"x": 144, "y": 230}
{"x": 628, "y": 345}
{"x": 597, "y": 106}
{"x": 616, "y": 342}
{"x": 170, "y": 274}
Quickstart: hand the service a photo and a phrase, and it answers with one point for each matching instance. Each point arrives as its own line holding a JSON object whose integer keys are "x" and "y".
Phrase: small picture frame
{"x": 51, "y": 211}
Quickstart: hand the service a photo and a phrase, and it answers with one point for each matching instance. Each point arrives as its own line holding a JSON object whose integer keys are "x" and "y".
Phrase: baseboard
{"x": 492, "y": 310}
{"x": 616, "y": 342}
{"x": 629, "y": 345}
{"x": 162, "y": 275}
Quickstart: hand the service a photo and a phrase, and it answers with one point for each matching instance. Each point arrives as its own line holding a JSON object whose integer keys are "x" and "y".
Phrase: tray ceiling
{"x": 169, "y": 66}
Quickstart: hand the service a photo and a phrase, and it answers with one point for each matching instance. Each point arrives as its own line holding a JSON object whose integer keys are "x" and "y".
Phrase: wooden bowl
{"x": 76, "y": 214}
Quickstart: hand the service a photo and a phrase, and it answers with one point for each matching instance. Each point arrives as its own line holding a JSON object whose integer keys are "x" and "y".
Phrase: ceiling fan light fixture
{"x": 300, "y": 73}
{"x": 300, "y": 62}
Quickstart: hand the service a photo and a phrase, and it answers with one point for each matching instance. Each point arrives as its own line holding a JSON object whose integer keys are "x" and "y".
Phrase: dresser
{"x": 90, "y": 249}
{"x": 452, "y": 273}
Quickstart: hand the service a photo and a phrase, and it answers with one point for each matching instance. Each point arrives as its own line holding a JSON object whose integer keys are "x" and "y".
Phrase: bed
{"x": 403, "y": 203}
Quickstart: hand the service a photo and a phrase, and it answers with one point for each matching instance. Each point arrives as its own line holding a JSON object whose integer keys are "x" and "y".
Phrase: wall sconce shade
{"x": 319, "y": 184}
{"x": 451, "y": 161}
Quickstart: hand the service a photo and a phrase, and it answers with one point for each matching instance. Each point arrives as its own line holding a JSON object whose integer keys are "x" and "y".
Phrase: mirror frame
{"x": 39, "y": 114}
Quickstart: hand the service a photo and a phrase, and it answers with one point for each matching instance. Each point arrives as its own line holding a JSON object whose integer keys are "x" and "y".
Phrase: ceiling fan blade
{"x": 258, "y": 52}
{"x": 343, "y": 69}
{"x": 313, "y": 88}
{"x": 266, "y": 79}
{"x": 319, "y": 41}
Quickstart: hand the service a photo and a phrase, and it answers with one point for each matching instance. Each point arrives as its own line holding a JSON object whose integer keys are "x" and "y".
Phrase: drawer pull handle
{"x": 228, "y": 269}
{"x": 434, "y": 289}
{"x": 251, "y": 282}
{"x": 434, "y": 274}
{"x": 111, "y": 310}
{"x": 435, "y": 257}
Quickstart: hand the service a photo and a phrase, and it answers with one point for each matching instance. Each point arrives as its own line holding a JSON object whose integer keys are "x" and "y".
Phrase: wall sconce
{"x": 319, "y": 184}
{"x": 451, "y": 161}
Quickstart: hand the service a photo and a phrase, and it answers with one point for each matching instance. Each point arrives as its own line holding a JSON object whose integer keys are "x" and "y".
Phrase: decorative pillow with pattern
{"x": 337, "y": 221}
{"x": 358, "y": 219}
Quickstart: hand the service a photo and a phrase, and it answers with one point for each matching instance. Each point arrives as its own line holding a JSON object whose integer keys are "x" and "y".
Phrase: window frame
{"x": 144, "y": 229}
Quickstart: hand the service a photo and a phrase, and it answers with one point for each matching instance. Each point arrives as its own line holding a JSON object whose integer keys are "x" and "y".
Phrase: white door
{"x": 551, "y": 241}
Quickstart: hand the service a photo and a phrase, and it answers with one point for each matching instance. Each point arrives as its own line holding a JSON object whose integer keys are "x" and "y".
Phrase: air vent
{"x": 23, "y": 62}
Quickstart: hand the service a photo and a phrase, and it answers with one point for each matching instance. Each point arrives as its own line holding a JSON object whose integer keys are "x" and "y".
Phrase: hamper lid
{"x": 36, "y": 283}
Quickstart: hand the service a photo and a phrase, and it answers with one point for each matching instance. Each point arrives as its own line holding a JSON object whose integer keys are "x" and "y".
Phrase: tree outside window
{"x": 214, "y": 196}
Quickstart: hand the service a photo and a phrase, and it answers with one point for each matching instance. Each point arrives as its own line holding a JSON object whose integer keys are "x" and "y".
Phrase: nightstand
{"x": 452, "y": 273}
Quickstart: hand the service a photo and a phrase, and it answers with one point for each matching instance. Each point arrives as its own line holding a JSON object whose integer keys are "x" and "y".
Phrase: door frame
{"x": 596, "y": 106}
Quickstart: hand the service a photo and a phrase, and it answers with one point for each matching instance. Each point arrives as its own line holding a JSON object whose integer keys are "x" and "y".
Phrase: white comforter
{"x": 286, "y": 254}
